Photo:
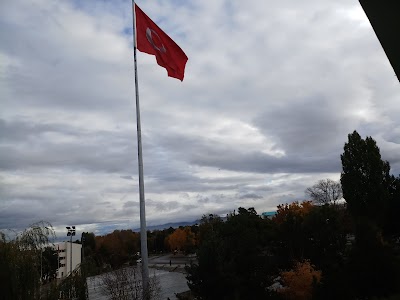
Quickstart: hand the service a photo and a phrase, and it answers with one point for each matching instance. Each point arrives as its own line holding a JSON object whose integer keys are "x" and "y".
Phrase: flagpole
{"x": 143, "y": 231}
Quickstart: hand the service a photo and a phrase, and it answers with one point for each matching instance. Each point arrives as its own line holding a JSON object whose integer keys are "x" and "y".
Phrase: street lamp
{"x": 71, "y": 232}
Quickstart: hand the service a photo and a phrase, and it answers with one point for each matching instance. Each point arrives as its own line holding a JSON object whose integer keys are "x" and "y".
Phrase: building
{"x": 268, "y": 214}
{"x": 64, "y": 258}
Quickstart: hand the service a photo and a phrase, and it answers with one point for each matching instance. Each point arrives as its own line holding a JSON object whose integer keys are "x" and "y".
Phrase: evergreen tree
{"x": 370, "y": 194}
{"x": 365, "y": 178}
{"x": 232, "y": 257}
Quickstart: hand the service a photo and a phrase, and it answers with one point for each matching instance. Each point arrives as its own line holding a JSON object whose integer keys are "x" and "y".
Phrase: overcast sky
{"x": 271, "y": 91}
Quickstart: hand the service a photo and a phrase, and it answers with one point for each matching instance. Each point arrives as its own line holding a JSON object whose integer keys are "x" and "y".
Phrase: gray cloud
{"x": 250, "y": 196}
{"x": 131, "y": 204}
{"x": 271, "y": 91}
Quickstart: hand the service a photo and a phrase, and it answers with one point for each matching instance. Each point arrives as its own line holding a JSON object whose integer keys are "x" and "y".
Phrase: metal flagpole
{"x": 143, "y": 232}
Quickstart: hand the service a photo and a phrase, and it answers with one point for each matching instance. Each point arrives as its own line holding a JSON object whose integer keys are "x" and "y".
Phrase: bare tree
{"x": 126, "y": 284}
{"x": 325, "y": 191}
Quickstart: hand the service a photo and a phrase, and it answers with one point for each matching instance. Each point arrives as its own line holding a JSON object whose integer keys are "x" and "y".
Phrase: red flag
{"x": 152, "y": 40}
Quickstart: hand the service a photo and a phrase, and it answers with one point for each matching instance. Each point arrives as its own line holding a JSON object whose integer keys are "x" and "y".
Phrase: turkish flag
{"x": 152, "y": 40}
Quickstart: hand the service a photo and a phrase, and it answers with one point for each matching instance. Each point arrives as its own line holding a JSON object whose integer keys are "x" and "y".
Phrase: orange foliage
{"x": 295, "y": 208}
{"x": 299, "y": 282}
{"x": 118, "y": 245}
{"x": 181, "y": 239}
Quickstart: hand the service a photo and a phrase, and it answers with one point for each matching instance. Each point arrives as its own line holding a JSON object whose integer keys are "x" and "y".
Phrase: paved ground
{"x": 177, "y": 260}
{"x": 169, "y": 268}
{"x": 170, "y": 284}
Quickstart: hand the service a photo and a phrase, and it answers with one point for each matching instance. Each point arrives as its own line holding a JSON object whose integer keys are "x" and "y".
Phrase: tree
{"x": 232, "y": 257}
{"x": 290, "y": 225}
{"x": 49, "y": 263}
{"x": 204, "y": 275}
{"x": 365, "y": 178}
{"x": 325, "y": 191}
{"x": 288, "y": 211}
{"x": 371, "y": 194}
{"x": 156, "y": 241}
{"x": 117, "y": 248}
{"x": 20, "y": 261}
{"x": 89, "y": 243}
{"x": 72, "y": 287}
{"x": 181, "y": 239}
{"x": 373, "y": 266}
{"x": 391, "y": 225}
{"x": 298, "y": 284}
{"x": 325, "y": 230}
{"x": 316, "y": 233}
{"x": 126, "y": 283}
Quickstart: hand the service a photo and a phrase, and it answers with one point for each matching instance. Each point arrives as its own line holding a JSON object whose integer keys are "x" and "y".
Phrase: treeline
{"x": 122, "y": 247}
{"x": 28, "y": 262}
{"x": 307, "y": 251}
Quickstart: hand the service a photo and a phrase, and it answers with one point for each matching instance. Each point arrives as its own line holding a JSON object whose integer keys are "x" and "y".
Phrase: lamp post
{"x": 71, "y": 232}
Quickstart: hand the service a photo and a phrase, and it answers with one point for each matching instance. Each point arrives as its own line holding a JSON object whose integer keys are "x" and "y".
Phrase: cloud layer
{"x": 271, "y": 91}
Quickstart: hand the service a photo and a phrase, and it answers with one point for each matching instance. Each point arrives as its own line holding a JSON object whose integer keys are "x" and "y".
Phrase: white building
{"x": 64, "y": 258}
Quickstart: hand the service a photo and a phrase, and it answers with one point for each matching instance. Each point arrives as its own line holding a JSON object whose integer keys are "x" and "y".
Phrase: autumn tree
{"x": 181, "y": 239}
{"x": 299, "y": 283}
{"x": 325, "y": 191}
{"x": 290, "y": 221}
{"x": 118, "y": 247}
{"x": 316, "y": 233}
{"x": 290, "y": 210}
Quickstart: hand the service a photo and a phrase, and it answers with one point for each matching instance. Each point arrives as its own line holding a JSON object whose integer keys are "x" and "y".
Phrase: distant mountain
{"x": 168, "y": 225}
